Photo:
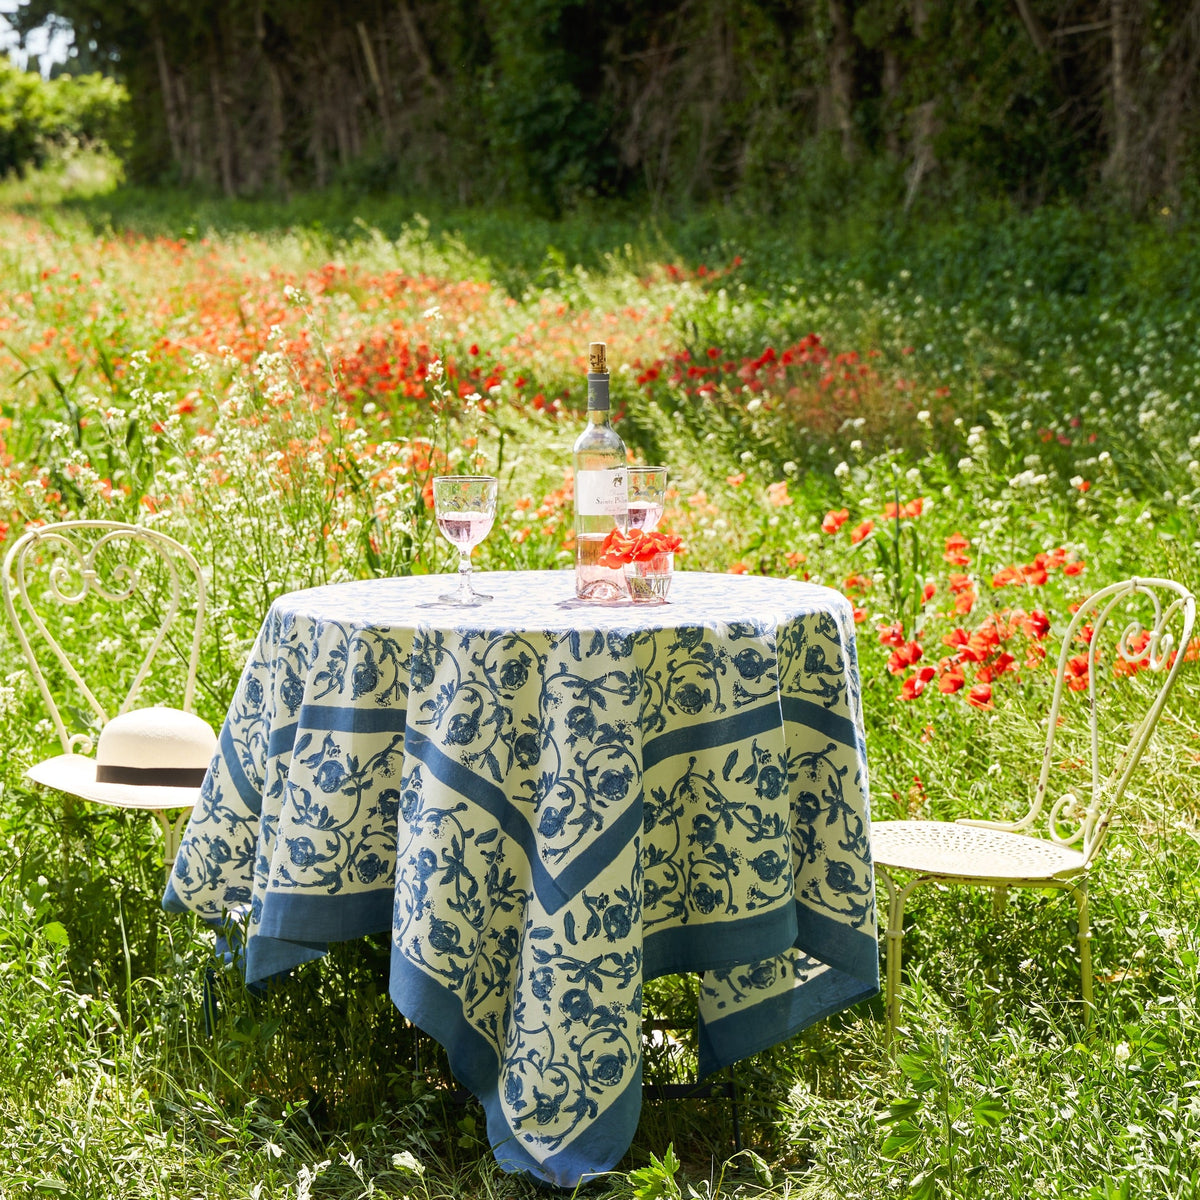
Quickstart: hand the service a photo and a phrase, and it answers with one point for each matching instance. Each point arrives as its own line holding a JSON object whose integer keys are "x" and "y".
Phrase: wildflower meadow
{"x": 965, "y": 435}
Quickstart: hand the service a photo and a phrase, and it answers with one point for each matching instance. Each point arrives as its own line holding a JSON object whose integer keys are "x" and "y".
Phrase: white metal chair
{"x": 129, "y": 587}
{"x": 1004, "y": 854}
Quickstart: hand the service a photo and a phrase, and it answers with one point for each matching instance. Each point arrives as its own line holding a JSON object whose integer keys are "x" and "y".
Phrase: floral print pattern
{"x": 548, "y": 803}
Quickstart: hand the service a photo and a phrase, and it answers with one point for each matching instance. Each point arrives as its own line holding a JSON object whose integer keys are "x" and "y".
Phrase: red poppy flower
{"x": 1036, "y": 624}
{"x": 914, "y": 685}
{"x": 1077, "y": 673}
{"x": 951, "y": 681}
{"x": 994, "y": 669}
{"x": 956, "y": 550}
{"x": 1125, "y": 667}
{"x": 639, "y": 546}
{"x": 911, "y": 509}
{"x": 777, "y": 494}
{"x": 904, "y": 656}
{"x": 834, "y": 521}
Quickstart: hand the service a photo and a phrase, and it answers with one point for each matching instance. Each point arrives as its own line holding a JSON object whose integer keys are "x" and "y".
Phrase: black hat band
{"x": 152, "y": 776}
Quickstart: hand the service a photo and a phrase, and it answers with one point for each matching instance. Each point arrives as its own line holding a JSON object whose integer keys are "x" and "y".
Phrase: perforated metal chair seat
{"x": 966, "y": 852}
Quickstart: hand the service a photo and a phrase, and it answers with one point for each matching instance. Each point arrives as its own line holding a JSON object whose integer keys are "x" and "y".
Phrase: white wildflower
{"x": 406, "y": 1160}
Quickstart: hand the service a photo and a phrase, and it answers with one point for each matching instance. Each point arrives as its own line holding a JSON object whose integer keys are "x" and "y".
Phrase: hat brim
{"x": 75, "y": 774}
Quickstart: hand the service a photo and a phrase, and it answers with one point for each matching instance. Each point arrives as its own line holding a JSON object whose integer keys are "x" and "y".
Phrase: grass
{"x": 262, "y": 382}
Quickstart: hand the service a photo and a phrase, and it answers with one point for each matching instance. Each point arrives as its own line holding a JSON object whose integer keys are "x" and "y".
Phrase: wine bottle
{"x": 601, "y": 498}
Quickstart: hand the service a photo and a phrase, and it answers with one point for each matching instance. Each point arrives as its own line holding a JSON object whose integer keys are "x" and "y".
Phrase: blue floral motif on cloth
{"x": 548, "y": 803}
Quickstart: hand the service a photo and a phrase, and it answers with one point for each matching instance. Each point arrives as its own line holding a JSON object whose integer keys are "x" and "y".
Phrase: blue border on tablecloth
{"x": 553, "y": 891}
{"x": 263, "y": 957}
{"x": 852, "y": 957}
{"x": 309, "y": 924}
{"x": 715, "y": 945}
{"x": 606, "y": 1140}
{"x": 267, "y": 957}
{"x": 708, "y": 735}
{"x": 251, "y": 795}
{"x": 833, "y": 724}
{"x": 838, "y": 944}
{"x": 303, "y": 918}
{"x": 338, "y": 718}
{"x": 777, "y": 1018}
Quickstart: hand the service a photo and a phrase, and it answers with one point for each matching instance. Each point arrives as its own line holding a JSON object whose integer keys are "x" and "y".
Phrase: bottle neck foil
{"x": 597, "y": 392}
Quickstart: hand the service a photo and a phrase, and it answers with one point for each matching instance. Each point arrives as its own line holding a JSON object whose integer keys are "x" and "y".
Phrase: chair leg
{"x": 1084, "y": 937}
{"x": 172, "y": 830}
{"x": 895, "y": 950}
{"x": 992, "y": 971}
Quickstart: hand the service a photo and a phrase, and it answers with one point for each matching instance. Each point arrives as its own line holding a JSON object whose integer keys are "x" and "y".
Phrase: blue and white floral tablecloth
{"x": 548, "y": 803}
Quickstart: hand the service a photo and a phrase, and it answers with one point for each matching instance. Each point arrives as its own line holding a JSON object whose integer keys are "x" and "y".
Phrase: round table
{"x": 548, "y": 802}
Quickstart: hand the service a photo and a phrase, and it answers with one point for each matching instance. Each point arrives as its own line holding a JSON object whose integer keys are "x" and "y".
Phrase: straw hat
{"x": 146, "y": 758}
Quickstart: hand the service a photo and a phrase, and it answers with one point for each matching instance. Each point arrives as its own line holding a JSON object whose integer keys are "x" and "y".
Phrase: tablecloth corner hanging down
{"x": 548, "y": 805}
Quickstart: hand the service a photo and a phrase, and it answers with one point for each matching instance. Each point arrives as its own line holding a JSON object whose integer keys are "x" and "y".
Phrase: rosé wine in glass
{"x": 465, "y": 506}
{"x": 465, "y": 529}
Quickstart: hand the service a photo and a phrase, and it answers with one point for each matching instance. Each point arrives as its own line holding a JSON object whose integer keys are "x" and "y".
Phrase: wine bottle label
{"x": 601, "y": 493}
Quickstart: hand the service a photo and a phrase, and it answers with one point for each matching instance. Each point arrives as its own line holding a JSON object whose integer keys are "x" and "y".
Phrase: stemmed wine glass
{"x": 647, "y": 495}
{"x": 466, "y": 507}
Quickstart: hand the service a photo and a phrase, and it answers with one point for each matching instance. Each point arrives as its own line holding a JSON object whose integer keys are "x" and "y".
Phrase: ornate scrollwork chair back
{"x": 95, "y": 607}
{"x": 1128, "y": 629}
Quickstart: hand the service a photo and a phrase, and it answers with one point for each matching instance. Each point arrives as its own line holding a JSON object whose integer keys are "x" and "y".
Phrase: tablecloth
{"x": 548, "y": 803}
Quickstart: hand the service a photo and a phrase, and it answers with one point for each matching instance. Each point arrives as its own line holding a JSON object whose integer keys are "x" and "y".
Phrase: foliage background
{"x": 670, "y": 102}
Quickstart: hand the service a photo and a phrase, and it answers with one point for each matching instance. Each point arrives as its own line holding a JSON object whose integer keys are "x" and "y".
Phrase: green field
{"x": 961, "y": 424}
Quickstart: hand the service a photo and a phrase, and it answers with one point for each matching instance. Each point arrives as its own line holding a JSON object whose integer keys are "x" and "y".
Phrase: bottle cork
{"x": 597, "y": 358}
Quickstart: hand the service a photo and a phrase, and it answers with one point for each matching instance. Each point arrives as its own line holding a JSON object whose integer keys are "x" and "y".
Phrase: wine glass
{"x": 647, "y": 494}
{"x": 466, "y": 507}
